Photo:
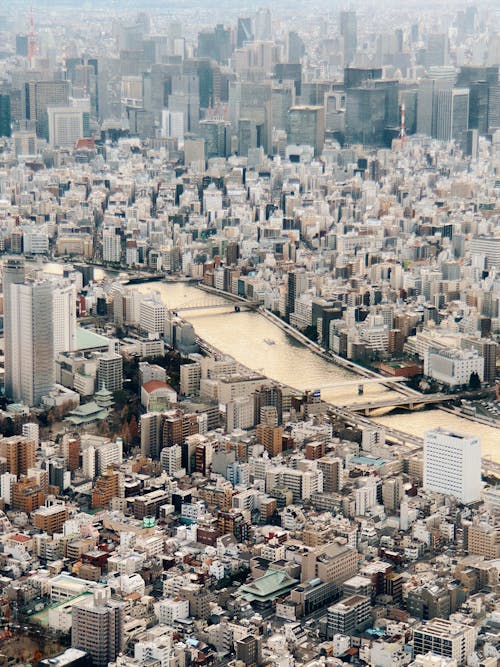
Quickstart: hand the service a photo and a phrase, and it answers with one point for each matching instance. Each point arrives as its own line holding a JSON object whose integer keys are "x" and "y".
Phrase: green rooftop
{"x": 273, "y": 584}
{"x": 89, "y": 340}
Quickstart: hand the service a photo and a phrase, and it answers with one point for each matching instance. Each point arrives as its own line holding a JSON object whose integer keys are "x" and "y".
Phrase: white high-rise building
{"x": 65, "y": 126}
{"x": 31, "y": 342}
{"x": 111, "y": 246}
{"x": 64, "y": 317}
{"x": 452, "y": 464}
{"x": 172, "y": 125}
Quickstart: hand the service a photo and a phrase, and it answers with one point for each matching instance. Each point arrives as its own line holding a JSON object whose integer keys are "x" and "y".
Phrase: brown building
{"x": 482, "y": 539}
{"x": 271, "y": 438}
{"x": 19, "y": 453}
{"x": 106, "y": 488}
{"x": 50, "y": 519}
{"x": 27, "y": 495}
{"x": 315, "y": 450}
{"x": 330, "y": 562}
{"x": 71, "y": 453}
{"x": 177, "y": 427}
{"x": 332, "y": 473}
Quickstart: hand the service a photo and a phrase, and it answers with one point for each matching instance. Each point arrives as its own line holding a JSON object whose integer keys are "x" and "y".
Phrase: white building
{"x": 452, "y": 464}
{"x": 65, "y": 126}
{"x": 152, "y": 316}
{"x": 169, "y": 610}
{"x": 64, "y": 317}
{"x": 111, "y": 246}
{"x": 453, "y": 366}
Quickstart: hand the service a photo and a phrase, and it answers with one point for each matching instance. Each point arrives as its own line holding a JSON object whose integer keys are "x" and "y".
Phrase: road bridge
{"x": 214, "y": 303}
{"x": 399, "y": 401}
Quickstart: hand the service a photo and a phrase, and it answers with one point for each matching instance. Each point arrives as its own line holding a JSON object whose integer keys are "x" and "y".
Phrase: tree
{"x": 474, "y": 381}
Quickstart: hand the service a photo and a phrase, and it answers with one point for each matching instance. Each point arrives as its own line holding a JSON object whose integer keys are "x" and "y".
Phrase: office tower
{"x": 111, "y": 246}
{"x": 244, "y": 31}
{"x": 265, "y": 397}
{"x": 215, "y": 44}
{"x": 251, "y": 102}
{"x": 297, "y": 284}
{"x": 425, "y": 105}
{"x": 65, "y": 126}
{"x": 290, "y": 71}
{"x": 306, "y": 126}
{"x": 110, "y": 371}
{"x": 296, "y": 48}
{"x": 494, "y": 107}
{"x": 452, "y": 464}
{"x": 5, "y": 115}
{"x": 365, "y": 116}
{"x": 185, "y": 98}
{"x": 354, "y": 77}
{"x": 22, "y": 45}
{"x": 452, "y": 117}
{"x": 263, "y": 30}
{"x": 481, "y": 82}
{"x": 216, "y": 134}
{"x": 446, "y": 638}
{"x": 470, "y": 144}
{"x": 13, "y": 273}
{"x": 64, "y": 318}
{"x": 349, "y": 31}
{"x": 172, "y": 125}
{"x": 40, "y": 95}
{"x": 29, "y": 358}
{"x": 97, "y": 626}
{"x": 437, "y": 50}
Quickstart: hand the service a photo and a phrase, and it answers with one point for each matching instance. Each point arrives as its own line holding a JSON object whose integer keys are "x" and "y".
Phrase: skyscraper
{"x": 29, "y": 359}
{"x": 452, "y": 464}
{"x": 306, "y": 125}
{"x": 13, "y": 273}
{"x": 452, "y": 118}
{"x": 5, "y": 116}
{"x": 64, "y": 318}
{"x": 98, "y": 626}
{"x": 349, "y": 31}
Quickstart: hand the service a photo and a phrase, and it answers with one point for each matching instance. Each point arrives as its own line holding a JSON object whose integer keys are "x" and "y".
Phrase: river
{"x": 243, "y": 336}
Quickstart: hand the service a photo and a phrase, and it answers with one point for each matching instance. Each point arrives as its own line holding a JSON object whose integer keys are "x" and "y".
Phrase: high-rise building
{"x": 349, "y": 31}
{"x": 64, "y": 318}
{"x": 306, "y": 125}
{"x": 5, "y": 115}
{"x": 65, "y": 126}
{"x": 19, "y": 453}
{"x": 452, "y": 118}
{"x": 97, "y": 626}
{"x": 452, "y": 464}
{"x": 29, "y": 359}
{"x": 110, "y": 371}
{"x": 13, "y": 274}
{"x": 244, "y": 31}
{"x": 40, "y": 95}
{"x": 263, "y": 31}
{"x": 437, "y": 51}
